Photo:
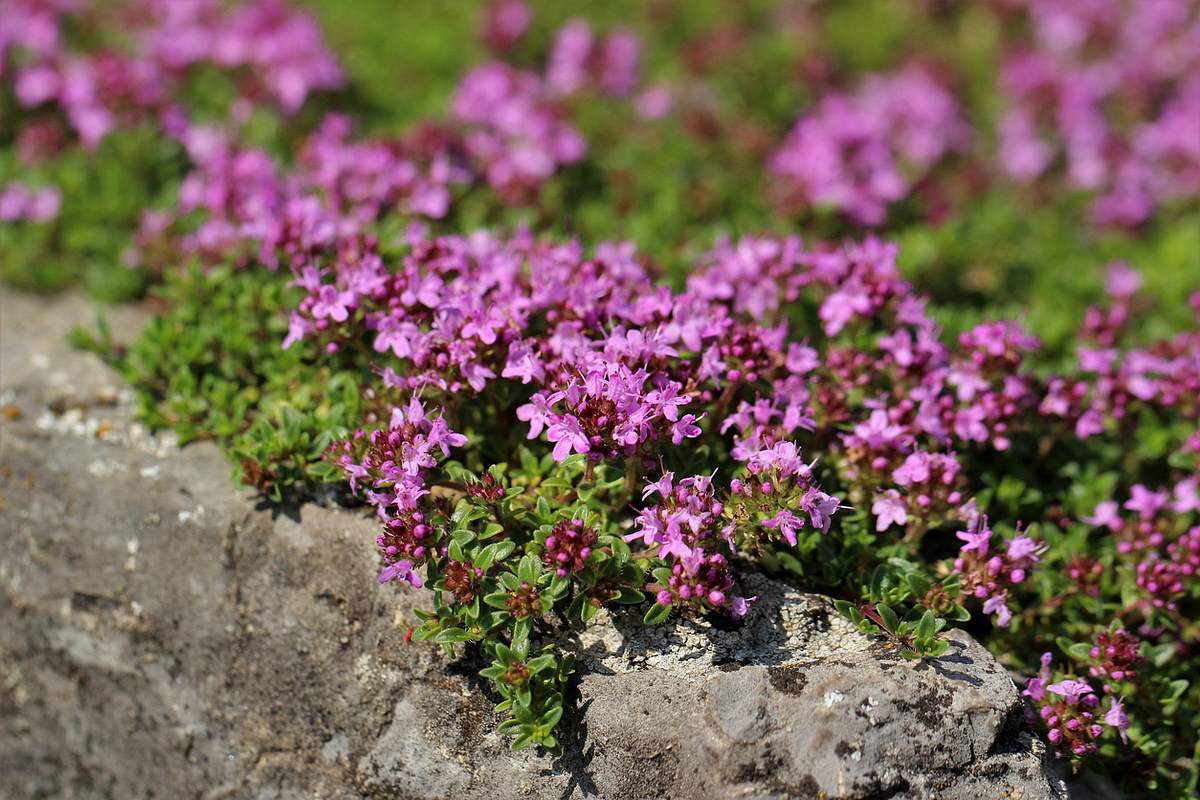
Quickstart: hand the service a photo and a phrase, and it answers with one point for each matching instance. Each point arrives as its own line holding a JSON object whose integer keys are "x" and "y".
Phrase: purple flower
{"x": 1021, "y": 547}
{"x": 402, "y": 570}
{"x": 538, "y": 412}
{"x": 685, "y": 428}
{"x": 1106, "y": 515}
{"x": 1115, "y": 716}
{"x": 568, "y": 434}
{"x": 998, "y": 604}
{"x": 1145, "y": 502}
{"x": 976, "y": 540}
{"x": 889, "y": 509}
{"x": 524, "y": 363}
{"x": 1122, "y": 281}
{"x": 787, "y": 523}
{"x": 1072, "y": 691}
{"x": 820, "y": 507}
{"x": 332, "y": 303}
{"x": 1186, "y": 496}
{"x": 663, "y": 486}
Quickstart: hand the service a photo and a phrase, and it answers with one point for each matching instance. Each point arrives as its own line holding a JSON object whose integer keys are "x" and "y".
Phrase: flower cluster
{"x": 1165, "y": 560}
{"x": 1115, "y": 656}
{"x": 1109, "y": 88}
{"x": 506, "y": 22}
{"x": 273, "y": 51}
{"x": 578, "y": 61}
{"x": 389, "y": 466}
{"x": 506, "y": 127}
{"x": 238, "y": 205}
{"x": 19, "y": 202}
{"x": 1068, "y": 709}
{"x": 686, "y": 528}
{"x": 517, "y": 387}
{"x": 515, "y": 133}
{"x": 989, "y": 575}
{"x": 860, "y": 153}
{"x": 778, "y": 493}
{"x": 612, "y": 375}
{"x": 568, "y": 547}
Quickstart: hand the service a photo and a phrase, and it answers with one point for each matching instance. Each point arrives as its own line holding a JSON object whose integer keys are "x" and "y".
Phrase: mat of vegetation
{"x": 610, "y": 305}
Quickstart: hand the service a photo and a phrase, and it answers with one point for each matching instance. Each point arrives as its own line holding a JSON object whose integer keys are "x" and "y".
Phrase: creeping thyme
{"x": 547, "y": 426}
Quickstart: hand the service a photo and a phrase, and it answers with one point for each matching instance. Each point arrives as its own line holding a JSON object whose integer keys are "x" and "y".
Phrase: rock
{"x": 164, "y": 635}
{"x": 860, "y": 723}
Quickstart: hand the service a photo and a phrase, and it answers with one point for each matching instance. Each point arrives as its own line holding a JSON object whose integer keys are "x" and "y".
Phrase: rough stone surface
{"x": 164, "y": 636}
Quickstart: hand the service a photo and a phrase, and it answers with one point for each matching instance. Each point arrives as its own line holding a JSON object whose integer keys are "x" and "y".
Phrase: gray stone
{"x": 163, "y": 635}
{"x": 861, "y": 723}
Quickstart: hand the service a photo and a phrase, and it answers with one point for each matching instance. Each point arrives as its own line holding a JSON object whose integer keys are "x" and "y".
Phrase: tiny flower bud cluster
{"x": 568, "y": 547}
{"x": 989, "y": 575}
{"x": 1069, "y": 711}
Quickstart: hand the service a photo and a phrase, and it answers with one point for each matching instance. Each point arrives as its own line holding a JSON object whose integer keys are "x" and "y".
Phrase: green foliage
{"x": 211, "y": 367}
{"x": 927, "y": 607}
{"x": 496, "y": 592}
{"x": 104, "y": 194}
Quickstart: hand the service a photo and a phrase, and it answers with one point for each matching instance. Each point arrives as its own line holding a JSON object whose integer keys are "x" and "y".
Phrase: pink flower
{"x": 568, "y": 434}
{"x": 1072, "y": 691}
{"x": 976, "y": 540}
{"x": 1115, "y": 716}
{"x": 788, "y": 525}
{"x": 889, "y": 509}
{"x": 1145, "y": 502}
{"x": 402, "y": 570}
{"x": 1106, "y": 515}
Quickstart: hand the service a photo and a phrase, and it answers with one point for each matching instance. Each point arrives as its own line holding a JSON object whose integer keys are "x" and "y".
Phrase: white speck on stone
{"x": 102, "y": 469}
{"x": 833, "y": 697}
{"x": 39, "y": 361}
{"x": 186, "y": 517}
{"x": 150, "y": 472}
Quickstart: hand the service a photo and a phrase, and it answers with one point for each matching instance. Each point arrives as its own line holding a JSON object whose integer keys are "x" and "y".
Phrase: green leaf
{"x": 1080, "y": 651}
{"x": 918, "y": 584}
{"x": 496, "y": 599}
{"x": 888, "y": 616}
{"x": 496, "y": 551}
{"x": 1161, "y": 654}
{"x": 959, "y": 614}
{"x": 451, "y": 635}
{"x": 629, "y": 597}
{"x": 529, "y": 568}
{"x": 542, "y": 662}
{"x": 552, "y": 716}
{"x": 927, "y": 626}
{"x": 656, "y": 613}
{"x": 937, "y": 648}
